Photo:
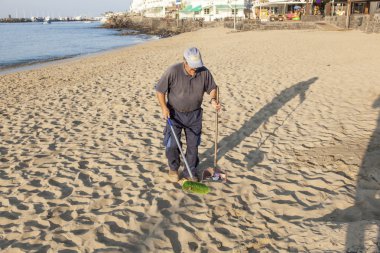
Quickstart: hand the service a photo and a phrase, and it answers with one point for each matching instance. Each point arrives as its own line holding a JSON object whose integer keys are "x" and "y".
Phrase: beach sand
{"x": 82, "y": 165}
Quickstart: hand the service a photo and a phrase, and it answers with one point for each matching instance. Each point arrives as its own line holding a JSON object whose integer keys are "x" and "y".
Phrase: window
{"x": 358, "y": 8}
{"x": 196, "y": 12}
{"x": 235, "y": 11}
{"x": 206, "y": 11}
{"x": 217, "y": 11}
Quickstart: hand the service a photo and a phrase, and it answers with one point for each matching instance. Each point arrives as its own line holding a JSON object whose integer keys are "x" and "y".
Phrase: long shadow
{"x": 367, "y": 201}
{"x": 262, "y": 116}
{"x": 366, "y": 209}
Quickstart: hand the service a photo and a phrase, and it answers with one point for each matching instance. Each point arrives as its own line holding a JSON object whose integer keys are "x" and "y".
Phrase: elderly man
{"x": 184, "y": 84}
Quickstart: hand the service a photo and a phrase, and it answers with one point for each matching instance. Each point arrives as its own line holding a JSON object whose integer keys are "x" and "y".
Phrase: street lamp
{"x": 234, "y": 12}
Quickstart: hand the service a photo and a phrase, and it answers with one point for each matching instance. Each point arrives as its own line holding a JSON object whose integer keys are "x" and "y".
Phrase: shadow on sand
{"x": 366, "y": 210}
{"x": 251, "y": 125}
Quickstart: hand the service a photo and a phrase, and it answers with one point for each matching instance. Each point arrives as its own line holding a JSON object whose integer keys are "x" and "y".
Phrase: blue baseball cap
{"x": 193, "y": 57}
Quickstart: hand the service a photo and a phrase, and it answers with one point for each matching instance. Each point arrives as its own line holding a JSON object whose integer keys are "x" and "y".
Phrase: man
{"x": 184, "y": 84}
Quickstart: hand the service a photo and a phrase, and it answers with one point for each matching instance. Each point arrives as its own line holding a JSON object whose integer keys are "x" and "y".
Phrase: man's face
{"x": 189, "y": 70}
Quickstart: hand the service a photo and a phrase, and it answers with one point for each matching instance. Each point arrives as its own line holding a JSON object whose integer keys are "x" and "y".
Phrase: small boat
{"x": 47, "y": 21}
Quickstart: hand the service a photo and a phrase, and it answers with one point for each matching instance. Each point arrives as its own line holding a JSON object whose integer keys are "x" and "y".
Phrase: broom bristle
{"x": 195, "y": 187}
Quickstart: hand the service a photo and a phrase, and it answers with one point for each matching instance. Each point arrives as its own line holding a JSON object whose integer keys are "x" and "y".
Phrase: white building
{"x": 137, "y": 6}
{"x": 212, "y": 10}
{"x": 152, "y": 8}
{"x": 208, "y": 10}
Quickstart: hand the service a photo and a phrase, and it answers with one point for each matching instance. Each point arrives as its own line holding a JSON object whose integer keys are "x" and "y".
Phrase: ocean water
{"x": 28, "y": 43}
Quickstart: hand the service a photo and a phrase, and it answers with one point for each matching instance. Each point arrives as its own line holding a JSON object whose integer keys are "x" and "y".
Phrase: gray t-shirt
{"x": 185, "y": 93}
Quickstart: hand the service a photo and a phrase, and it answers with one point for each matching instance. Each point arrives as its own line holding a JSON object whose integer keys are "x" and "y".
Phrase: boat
{"x": 47, "y": 21}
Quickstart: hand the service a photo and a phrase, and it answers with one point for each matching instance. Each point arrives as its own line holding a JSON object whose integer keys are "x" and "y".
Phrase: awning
{"x": 197, "y": 8}
{"x": 229, "y": 7}
{"x": 190, "y": 8}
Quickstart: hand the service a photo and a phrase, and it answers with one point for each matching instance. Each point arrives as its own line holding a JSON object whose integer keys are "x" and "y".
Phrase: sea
{"x": 25, "y": 44}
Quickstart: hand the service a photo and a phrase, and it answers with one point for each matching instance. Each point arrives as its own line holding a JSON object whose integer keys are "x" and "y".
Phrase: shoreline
{"x": 49, "y": 62}
{"x": 30, "y": 64}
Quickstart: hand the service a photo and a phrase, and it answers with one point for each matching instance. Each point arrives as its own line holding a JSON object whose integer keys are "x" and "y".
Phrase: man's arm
{"x": 162, "y": 100}
{"x": 216, "y": 104}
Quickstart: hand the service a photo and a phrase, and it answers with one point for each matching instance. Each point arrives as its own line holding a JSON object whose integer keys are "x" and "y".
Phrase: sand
{"x": 82, "y": 165}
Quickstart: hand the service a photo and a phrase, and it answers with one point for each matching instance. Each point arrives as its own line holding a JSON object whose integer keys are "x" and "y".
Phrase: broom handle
{"x": 216, "y": 131}
{"x": 180, "y": 149}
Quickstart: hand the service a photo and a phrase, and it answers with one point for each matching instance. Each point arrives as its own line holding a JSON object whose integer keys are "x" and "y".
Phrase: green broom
{"x": 189, "y": 186}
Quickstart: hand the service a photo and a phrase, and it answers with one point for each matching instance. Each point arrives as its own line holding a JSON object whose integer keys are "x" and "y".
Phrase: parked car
{"x": 275, "y": 17}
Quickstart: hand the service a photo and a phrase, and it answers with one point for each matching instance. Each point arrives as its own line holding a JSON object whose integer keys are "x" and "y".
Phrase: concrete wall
{"x": 311, "y": 18}
{"x": 339, "y": 21}
{"x": 250, "y": 24}
{"x": 365, "y": 23}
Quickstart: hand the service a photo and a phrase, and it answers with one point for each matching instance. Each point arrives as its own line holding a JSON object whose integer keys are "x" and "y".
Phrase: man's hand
{"x": 164, "y": 108}
{"x": 217, "y": 106}
{"x": 165, "y": 113}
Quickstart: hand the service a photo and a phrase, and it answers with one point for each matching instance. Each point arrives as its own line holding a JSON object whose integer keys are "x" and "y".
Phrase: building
{"x": 152, "y": 8}
{"x": 215, "y": 10}
{"x": 365, "y": 6}
{"x": 207, "y": 10}
{"x": 137, "y": 6}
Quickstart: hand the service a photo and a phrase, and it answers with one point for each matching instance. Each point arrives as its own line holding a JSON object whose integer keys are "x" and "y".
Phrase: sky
{"x": 56, "y": 8}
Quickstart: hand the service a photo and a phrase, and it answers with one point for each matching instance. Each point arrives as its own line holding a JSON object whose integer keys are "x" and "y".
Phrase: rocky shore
{"x": 166, "y": 27}
{"x": 15, "y": 20}
{"x": 163, "y": 27}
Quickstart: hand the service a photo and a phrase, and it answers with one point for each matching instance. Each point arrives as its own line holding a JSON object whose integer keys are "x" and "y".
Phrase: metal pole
{"x": 180, "y": 148}
{"x": 235, "y": 17}
{"x": 216, "y": 131}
